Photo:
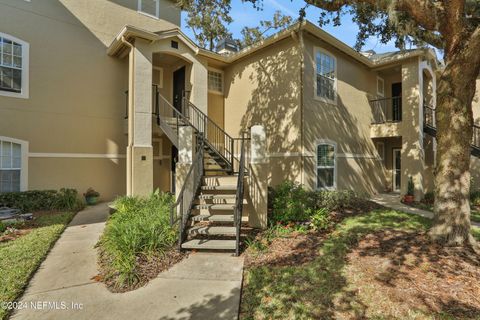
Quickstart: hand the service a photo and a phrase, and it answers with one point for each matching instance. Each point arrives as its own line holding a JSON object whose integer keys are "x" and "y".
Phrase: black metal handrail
{"x": 386, "y": 110}
{"x": 180, "y": 210}
{"x": 216, "y": 138}
{"x": 429, "y": 121}
{"x": 239, "y": 197}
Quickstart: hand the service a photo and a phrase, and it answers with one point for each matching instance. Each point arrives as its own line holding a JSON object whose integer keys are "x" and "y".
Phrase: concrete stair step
{"x": 212, "y": 230}
{"x": 213, "y": 217}
{"x": 227, "y": 187}
{"x": 220, "y": 207}
{"x": 209, "y": 244}
{"x": 208, "y": 196}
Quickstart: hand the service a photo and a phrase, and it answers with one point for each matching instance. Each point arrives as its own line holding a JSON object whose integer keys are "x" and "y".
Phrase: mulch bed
{"x": 25, "y": 227}
{"x": 409, "y": 273}
{"x": 147, "y": 269}
{"x": 299, "y": 248}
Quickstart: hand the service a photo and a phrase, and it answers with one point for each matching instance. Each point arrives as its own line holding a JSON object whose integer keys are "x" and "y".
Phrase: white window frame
{"x": 157, "y": 9}
{"x": 334, "y": 145}
{"x": 379, "y": 93}
{"x": 381, "y": 156}
{"x": 24, "y": 93}
{"x": 223, "y": 81}
{"x": 24, "y": 160}
{"x": 160, "y": 76}
{"x": 316, "y": 51}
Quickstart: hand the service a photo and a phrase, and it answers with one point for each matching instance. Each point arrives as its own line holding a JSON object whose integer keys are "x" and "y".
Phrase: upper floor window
{"x": 325, "y": 76}
{"x": 215, "y": 81}
{"x": 326, "y": 166}
{"x": 380, "y": 87}
{"x": 13, "y": 67}
{"x": 149, "y": 7}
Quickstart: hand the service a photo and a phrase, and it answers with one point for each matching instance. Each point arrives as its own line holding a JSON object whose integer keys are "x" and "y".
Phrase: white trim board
{"x": 76, "y": 155}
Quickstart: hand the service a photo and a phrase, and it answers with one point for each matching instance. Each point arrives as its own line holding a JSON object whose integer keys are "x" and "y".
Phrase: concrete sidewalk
{"x": 203, "y": 286}
{"x": 392, "y": 200}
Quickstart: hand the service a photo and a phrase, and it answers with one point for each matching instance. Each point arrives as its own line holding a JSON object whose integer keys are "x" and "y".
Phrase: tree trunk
{"x": 454, "y": 119}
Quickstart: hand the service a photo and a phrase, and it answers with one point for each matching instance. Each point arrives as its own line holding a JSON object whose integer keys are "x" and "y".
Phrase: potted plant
{"x": 91, "y": 196}
{"x": 410, "y": 196}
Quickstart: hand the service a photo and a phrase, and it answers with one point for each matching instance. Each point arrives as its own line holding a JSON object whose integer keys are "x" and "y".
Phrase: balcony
{"x": 387, "y": 116}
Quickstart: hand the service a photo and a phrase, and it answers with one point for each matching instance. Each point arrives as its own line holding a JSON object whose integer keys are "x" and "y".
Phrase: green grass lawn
{"x": 475, "y": 216}
{"x": 20, "y": 258}
{"x": 318, "y": 289}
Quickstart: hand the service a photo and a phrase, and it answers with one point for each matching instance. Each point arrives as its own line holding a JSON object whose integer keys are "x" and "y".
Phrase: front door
{"x": 178, "y": 88}
{"x": 397, "y": 169}
{"x": 397, "y": 101}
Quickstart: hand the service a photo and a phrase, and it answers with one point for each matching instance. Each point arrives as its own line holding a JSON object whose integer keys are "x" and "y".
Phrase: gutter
{"x": 131, "y": 79}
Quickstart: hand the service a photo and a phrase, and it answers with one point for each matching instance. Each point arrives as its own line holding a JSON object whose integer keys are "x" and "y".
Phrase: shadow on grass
{"x": 320, "y": 289}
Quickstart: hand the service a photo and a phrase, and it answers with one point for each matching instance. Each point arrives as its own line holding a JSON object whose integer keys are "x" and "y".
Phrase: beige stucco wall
{"x": 264, "y": 88}
{"x": 76, "y": 103}
{"x": 347, "y": 123}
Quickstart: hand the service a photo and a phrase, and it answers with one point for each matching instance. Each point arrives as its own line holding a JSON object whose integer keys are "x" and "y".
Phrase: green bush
{"x": 290, "y": 203}
{"x": 34, "y": 200}
{"x": 334, "y": 200}
{"x": 429, "y": 197}
{"x": 139, "y": 227}
{"x": 320, "y": 220}
{"x": 475, "y": 198}
{"x": 3, "y": 227}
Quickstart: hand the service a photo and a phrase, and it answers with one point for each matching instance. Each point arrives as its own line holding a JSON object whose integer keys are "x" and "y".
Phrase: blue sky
{"x": 244, "y": 14}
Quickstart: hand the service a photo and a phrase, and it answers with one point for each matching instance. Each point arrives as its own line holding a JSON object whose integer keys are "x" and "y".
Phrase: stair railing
{"x": 216, "y": 138}
{"x": 239, "y": 196}
{"x": 180, "y": 210}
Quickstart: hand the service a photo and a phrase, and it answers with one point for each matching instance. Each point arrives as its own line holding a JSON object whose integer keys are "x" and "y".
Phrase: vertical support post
{"x": 258, "y": 183}
{"x": 185, "y": 156}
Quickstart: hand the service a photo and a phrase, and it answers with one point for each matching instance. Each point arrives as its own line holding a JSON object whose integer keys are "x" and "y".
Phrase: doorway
{"x": 397, "y": 169}
{"x": 178, "y": 88}
{"x": 397, "y": 101}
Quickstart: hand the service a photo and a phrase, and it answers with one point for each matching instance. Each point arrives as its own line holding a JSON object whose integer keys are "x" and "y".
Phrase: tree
{"x": 250, "y": 35}
{"x": 208, "y": 20}
{"x": 453, "y": 26}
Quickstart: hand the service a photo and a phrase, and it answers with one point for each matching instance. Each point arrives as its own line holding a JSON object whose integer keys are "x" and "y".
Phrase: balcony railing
{"x": 386, "y": 110}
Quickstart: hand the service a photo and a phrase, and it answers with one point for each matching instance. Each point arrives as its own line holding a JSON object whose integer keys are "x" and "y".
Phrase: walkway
{"x": 392, "y": 200}
{"x": 203, "y": 286}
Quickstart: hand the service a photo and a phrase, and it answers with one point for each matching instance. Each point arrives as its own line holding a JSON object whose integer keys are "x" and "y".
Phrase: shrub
{"x": 334, "y": 200}
{"x": 410, "y": 186}
{"x": 139, "y": 227}
{"x": 320, "y": 220}
{"x": 3, "y": 227}
{"x": 34, "y": 200}
{"x": 429, "y": 198}
{"x": 290, "y": 203}
{"x": 475, "y": 198}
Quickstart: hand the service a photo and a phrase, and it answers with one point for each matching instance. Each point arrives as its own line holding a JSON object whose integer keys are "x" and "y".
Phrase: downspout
{"x": 131, "y": 78}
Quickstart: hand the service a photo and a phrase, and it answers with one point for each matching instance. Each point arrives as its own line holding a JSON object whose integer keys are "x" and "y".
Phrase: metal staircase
{"x": 209, "y": 206}
{"x": 429, "y": 127}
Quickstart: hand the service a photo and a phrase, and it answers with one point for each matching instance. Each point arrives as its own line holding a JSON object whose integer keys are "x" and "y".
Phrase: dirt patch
{"x": 401, "y": 272}
{"x": 148, "y": 268}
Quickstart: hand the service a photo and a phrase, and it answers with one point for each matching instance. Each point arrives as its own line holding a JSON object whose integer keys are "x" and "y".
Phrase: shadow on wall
{"x": 212, "y": 307}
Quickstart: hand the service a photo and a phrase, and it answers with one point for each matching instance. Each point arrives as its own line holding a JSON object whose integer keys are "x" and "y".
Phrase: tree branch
{"x": 425, "y": 12}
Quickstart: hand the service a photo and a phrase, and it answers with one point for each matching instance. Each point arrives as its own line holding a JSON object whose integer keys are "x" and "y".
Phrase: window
{"x": 149, "y": 7}
{"x": 380, "y": 87}
{"x": 13, "y": 67}
{"x": 215, "y": 81}
{"x": 326, "y": 166}
{"x": 10, "y": 166}
{"x": 325, "y": 76}
{"x": 380, "y": 150}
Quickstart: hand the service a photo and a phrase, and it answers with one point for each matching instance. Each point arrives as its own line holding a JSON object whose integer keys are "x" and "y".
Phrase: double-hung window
{"x": 13, "y": 67}
{"x": 215, "y": 81}
{"x": 149, "y": 7}
{"x": 326, "y": 166}
{"x": 325, "y": 76}
{"x": 10, "y": 166}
